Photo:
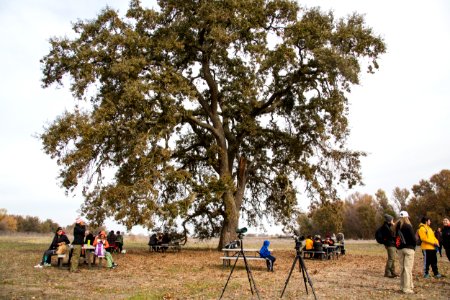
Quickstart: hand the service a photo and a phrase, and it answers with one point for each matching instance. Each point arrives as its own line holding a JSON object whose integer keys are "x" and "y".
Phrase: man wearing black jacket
{"x": 446, "y": 237}
{"x": 78, "y": 241}
{"x": 389, "y": 244}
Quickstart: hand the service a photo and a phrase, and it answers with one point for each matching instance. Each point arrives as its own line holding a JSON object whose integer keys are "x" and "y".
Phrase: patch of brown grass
{"x": 197, "y": 273}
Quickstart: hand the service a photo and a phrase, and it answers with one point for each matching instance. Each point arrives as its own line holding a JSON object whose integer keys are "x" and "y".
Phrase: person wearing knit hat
{"x": 387, "y": 230}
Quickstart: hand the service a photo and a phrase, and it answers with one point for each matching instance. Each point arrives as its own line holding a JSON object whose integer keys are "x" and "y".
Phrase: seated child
{"x": 101, "y": 244}
{"x": 265, "y": 253}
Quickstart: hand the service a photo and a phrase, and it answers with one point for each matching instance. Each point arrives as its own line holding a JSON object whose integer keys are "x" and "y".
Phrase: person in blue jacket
{"x": 265, "y": 253}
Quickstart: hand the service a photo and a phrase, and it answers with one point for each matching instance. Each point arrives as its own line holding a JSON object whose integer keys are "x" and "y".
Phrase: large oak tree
{"x": 207, "y": 110}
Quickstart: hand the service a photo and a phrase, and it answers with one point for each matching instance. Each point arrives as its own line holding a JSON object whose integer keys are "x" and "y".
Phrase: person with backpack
{"x": 428, "y": 246}
{"x": 446, "y": 237}
{"x": 406, "y": 250}
{"x": 388, "y": 240}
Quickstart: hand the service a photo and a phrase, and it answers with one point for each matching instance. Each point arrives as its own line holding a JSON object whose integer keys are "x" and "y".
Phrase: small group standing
{"x": 400, "y": 238}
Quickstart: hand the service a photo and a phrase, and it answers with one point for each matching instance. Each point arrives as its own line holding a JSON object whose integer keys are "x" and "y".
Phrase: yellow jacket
{"x": 426, "y": 234}
{"x": 309, "y": 244}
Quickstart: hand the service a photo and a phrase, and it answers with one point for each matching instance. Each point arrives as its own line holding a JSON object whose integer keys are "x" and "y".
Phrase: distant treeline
{"x": 360, "y": 215}
{"x": 13, "y": 223}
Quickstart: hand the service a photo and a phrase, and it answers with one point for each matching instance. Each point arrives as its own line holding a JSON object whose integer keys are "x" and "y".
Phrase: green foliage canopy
{"x": 205, "y": 110}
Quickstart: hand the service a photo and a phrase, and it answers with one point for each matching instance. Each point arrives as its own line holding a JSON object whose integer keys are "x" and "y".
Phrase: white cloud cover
{"x": 400, "y": 115}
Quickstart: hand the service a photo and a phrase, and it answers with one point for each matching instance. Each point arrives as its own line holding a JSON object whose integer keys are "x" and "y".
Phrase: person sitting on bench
{"x": 59, "y": 240}
{"x": 265, "y": 253}
{"x": 101, "y": 244}
{"x": 317, "y": 246}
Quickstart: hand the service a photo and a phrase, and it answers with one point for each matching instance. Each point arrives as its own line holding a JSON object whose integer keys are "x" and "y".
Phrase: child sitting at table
{"x": 265, "y": 253}
{"x": 101, "y": 244}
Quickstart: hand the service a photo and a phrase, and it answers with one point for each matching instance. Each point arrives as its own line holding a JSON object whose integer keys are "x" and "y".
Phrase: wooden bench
{"x": 100, "y": 260}
{"x": 227, "y": 259}
{"x": 61, "y": 259}
{"x": 321, "y": 254}
{"x": 165, "y": 247}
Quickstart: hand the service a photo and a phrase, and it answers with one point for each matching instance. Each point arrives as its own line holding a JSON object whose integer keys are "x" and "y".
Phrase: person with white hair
{"x": 406, "y": 252}
{"x": 78, "y": 241}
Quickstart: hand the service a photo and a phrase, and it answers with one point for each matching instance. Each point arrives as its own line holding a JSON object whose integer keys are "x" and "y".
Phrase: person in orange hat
{"x": 101, "y": 244}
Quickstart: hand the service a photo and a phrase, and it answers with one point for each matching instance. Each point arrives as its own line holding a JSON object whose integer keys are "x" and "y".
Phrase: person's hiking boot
{"x": 38, "y": 266}
{"x": 47, "y": 265}
{"x": 438, "y": 275}
{"x": 426, "y": 276}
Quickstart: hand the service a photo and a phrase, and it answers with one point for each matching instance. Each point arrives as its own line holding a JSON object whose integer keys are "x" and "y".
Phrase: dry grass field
{"x": 197, "y": 273}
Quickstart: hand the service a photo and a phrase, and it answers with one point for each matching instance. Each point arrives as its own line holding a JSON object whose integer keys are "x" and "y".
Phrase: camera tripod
{"x": 251, "y": 280}
{"x": 302, "y": 267}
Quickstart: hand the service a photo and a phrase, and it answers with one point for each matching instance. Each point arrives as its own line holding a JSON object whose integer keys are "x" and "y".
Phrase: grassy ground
{"x": 197, "y": 273}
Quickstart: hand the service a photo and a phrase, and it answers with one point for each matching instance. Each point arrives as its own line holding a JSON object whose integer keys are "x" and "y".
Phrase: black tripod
{"x": 302, "y": 267}
{"x": 251, "y": 280}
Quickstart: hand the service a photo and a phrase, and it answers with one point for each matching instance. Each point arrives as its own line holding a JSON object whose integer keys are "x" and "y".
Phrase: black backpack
{"x": 379, "y": 235}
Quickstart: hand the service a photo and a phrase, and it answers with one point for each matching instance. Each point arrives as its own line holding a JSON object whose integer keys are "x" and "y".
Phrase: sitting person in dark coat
{"x": 317, "y": 246}
{"x": 153, "y": 241}
{"x": 59, "y": 240}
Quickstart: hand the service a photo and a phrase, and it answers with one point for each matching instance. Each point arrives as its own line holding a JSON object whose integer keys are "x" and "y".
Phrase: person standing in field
{"x": 438, "y": 235}
{"x": 446, "y": 237}
{"x": 406, "y": 253}
{"x": 119, "y": 241}
{"x": 78, "y": 241}
{"x": 428, "y": 246}
{"x": 389, "y": 244}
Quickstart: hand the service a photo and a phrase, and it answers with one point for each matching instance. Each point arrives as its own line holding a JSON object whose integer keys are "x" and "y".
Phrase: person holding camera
{"x": 265, "y": 253}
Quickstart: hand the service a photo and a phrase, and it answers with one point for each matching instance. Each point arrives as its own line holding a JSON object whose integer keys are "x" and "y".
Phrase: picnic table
{"x": 88, "y": 252}
{"x": 327, "y": 252}
{"x": 175, "y": 247}
{"x": 231, "y": 254}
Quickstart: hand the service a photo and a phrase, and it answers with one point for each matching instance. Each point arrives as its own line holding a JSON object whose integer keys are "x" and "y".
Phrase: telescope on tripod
{"x": 251, "y": 280}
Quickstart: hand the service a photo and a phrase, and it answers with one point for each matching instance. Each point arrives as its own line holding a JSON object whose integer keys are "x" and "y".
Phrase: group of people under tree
{"x": 158, "y": 241}
{"x": 400, "y": 238}
{"x": 81, "y": 236}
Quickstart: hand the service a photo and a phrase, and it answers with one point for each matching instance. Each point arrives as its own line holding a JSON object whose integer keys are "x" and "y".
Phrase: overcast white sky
{"x": 400, "y": 115}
